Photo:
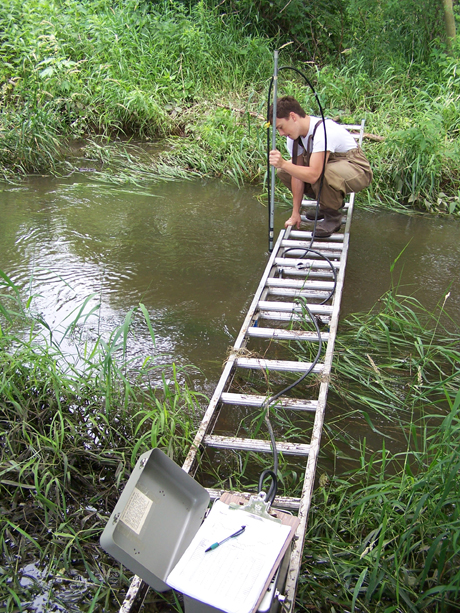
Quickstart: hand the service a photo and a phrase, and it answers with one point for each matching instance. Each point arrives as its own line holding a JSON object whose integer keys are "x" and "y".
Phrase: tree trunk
{"x": 449, "y": 21}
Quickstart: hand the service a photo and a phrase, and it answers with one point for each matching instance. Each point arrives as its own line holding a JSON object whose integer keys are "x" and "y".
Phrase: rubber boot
{"x": 330, "y": 224}
{"x": 311, "y": 214}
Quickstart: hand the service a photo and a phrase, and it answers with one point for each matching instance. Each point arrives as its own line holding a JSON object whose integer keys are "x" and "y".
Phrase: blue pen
{"x": 215, "y": 545}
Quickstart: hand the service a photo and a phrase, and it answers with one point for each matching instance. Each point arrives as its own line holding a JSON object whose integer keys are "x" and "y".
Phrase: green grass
{"x": 385, "y": 536}
{"x": 382, "y": 537}
{"x": 197, "y": 78}
{"x": 71, "y": 431}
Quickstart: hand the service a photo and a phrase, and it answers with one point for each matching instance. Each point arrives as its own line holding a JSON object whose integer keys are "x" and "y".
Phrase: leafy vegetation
{"x": 71, "y": 429}
{"x": 196, "y": 75}
{"x": 385, "y": 535}
{"x": 79, "y": 79}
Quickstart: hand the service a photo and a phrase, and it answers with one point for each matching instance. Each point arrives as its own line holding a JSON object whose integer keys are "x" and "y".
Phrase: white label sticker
{"x": 136, "y": 511}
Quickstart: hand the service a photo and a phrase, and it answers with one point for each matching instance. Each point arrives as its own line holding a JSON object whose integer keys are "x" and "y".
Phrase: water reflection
{"x": 193, "y": 253}
{"x": 427, "y": 269}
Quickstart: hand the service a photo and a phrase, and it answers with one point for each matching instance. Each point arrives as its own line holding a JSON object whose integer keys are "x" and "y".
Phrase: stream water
{"x": 193, "y": 254}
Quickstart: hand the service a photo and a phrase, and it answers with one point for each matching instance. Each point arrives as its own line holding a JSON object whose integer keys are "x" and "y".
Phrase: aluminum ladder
{"x": 276, "y": 315}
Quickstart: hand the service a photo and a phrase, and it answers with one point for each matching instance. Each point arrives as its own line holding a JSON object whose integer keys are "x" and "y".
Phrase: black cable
{"x": 307, "y": 250}
{"x": 273, "y": 485}
{"x": 323, "y": 170}
{"x": 270, "y": 401}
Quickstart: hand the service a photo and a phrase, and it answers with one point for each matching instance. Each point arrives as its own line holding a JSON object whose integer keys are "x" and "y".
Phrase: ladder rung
{"x": 259, "y": 446}
{"x": 304, "y": 264}
{"x": 279, "y": 316}
{"x": 305, "y": 219}
{"x": 288, "y": 243}
{"x": 253, "y": 400}
{"x": 297, "y": 284}
{"x": 311, "y": 203}
{"x": 298, "y": 293}
{"x": 279, "y": 365}
{"x": 280, "y": 334}
{"x": 280, "y": 502}
{"x": 298, "y": 252}
{"x": 302, "y": 234}
{"x": 292, "y": 307}
{"x": 307, "y": 273}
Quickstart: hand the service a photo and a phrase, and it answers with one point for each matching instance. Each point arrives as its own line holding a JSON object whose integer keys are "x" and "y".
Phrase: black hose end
{"x": 273, "y": 485}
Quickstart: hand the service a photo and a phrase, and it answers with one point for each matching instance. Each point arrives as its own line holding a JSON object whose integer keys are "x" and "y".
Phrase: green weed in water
{"x": 70, "y": 432}
{"x": 386, "y": 536}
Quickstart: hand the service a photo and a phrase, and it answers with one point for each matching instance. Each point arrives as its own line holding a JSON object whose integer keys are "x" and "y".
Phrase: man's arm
{"x": 300, "y": 175}
{"x": 297, "y": 188}
{"x": 307, "y": 174}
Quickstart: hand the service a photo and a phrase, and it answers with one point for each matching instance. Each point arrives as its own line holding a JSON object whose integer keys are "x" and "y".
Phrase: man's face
{"x": 289, "y": 126}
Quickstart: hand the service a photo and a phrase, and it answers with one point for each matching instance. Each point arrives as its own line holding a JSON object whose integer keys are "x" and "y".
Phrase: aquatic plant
{"x": 384, "y": 536}
{"x": 71, "y": 429}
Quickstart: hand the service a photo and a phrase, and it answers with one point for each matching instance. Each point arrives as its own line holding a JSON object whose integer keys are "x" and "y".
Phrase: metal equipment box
{"x": 155, "y": 518}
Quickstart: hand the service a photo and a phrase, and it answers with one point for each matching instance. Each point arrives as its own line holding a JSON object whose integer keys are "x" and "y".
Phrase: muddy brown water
{"x": 193, "y": 253}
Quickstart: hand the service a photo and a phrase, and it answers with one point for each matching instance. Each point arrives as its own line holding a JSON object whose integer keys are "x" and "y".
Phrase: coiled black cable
{"x": 272, "y": 399}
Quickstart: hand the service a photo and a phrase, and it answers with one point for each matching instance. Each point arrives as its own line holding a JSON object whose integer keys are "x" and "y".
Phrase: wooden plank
{"x": 246, "y": 444}
{"x": 255, "y": 400}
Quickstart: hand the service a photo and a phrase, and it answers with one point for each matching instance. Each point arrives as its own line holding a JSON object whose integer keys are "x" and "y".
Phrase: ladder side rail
{"x": 138, "y": 588}
{"x": 136, "y": 592}
{"x": 310, "y": 471}
{"x": 239, "y": 343}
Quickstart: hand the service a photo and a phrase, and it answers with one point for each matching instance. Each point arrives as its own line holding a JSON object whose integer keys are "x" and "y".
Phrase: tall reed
{"x": 71, "y": 429}
{"x": 385, "y": 536}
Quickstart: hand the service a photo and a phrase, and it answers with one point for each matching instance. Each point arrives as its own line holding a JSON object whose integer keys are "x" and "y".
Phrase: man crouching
{"x": 347, "y": 169}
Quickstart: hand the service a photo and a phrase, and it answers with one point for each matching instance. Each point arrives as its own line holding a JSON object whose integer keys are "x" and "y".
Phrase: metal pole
{"x": 271, "y": 211}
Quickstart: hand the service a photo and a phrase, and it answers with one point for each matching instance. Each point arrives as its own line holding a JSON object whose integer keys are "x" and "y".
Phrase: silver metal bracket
{"x": 257, "y": 506}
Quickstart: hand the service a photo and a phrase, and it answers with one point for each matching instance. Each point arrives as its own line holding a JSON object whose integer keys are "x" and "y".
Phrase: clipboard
{"x": 235, "y": 576}
{"x": 286, "y": 519}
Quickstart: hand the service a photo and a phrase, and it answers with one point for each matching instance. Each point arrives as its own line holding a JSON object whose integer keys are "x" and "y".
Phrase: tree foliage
{"x": 381, "y": 31}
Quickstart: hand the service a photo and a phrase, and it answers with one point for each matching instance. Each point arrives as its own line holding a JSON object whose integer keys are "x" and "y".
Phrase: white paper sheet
{"x": 232, "y": 576}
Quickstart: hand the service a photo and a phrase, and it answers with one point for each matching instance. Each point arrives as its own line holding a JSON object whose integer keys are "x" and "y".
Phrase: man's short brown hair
{"x": 284, "y": 106}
